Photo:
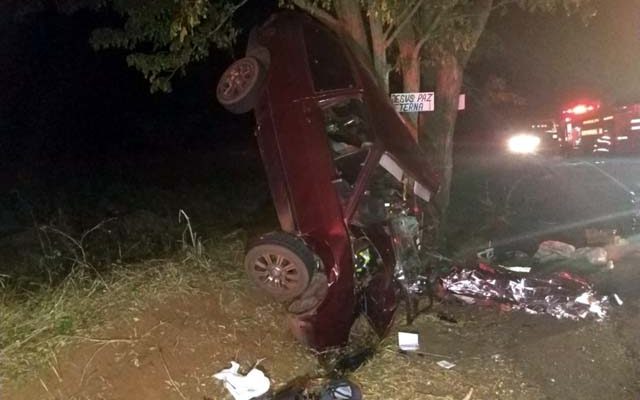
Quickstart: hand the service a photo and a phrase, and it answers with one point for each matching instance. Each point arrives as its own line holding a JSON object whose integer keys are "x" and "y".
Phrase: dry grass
{"x": 34, "y": 325}
{"x": 240, "y": 325}
{"x": 394, "y": 375}
{"x": 246, "y": 328}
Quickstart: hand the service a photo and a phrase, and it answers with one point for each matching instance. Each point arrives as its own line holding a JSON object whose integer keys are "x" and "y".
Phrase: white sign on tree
{"x": 412, "y": 102}
{"x": 419, "y": 101}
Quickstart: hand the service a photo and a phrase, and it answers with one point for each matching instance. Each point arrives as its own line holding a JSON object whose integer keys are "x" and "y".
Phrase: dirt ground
{"x": 171, "y": 350}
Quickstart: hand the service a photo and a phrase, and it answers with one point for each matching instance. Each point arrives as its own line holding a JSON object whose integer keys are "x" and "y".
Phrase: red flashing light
{"x": 582, "y": 108}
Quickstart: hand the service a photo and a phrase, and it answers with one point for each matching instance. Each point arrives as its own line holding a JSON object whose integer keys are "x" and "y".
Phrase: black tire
{"x": 240, "y": 85}
{"x": 280, "y": 264}
{"x": 256, "y": 50}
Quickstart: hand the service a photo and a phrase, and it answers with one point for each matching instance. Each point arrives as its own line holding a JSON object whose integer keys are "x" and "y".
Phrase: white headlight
{"x": 523, "y": 143}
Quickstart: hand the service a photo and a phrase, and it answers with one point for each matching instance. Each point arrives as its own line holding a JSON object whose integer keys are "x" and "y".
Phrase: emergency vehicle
{"x": 591, "y": 129}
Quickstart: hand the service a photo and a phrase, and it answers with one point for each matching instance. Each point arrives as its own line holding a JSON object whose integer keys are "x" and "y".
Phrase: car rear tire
{"x": 240, "y": 84}
{"x": 256, "y": 50}
{"x": 281, "y": 265}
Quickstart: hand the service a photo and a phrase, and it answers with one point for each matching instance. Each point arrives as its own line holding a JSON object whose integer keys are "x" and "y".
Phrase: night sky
{"x": 67, "y": 112}
{"x": 552, "y": 60}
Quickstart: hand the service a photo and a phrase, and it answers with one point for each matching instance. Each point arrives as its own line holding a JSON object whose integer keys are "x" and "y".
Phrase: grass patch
{"x": 35, "y": 324}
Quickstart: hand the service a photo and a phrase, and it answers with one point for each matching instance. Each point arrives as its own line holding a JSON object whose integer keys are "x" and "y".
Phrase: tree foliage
{"x": 408, "y": 35}
{"x": 373, "y": 25}
{"x": 454, "y": 32}
{"x": 164, "y": 36}
{"x": 19, "y": 9}
{"x": 438, "y": 36}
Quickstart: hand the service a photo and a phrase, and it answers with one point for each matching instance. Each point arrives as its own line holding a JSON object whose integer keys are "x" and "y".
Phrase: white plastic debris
{"x": 445, "y": 364}
{"x": 524, "y": 270}
{"x": 618, "y": 299}
{"x": 244, "y": 387}
{"x": 595, "y": 305}
{"x": 593, "y": 255}
{"x": 408, "y": 341}
{"x": 601, "y": 237}
{"x": 551, "y": 250}
{"x": 486, "y": 254}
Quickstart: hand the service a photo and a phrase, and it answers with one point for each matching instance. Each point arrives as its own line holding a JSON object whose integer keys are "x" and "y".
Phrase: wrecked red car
{"x": 349, "y": 183}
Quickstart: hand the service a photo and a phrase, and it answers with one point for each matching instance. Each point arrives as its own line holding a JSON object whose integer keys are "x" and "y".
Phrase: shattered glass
{"x": 561, "y": 294}
{"x": 408, "y": 269}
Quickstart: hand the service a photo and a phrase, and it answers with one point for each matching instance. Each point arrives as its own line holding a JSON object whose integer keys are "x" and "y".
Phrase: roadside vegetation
{"x": 85, "y": 257}
{"x": 104, "y": 254}
{"x": 148, "y": 290}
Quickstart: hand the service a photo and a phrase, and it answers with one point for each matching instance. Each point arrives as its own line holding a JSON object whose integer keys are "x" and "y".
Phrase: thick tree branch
{"x": 226, "y": 19}
{"x": 350, "y": 16}
{"x": 379, "y": 51}
{"x": 494, "y": 7}
{"x": 433, "y": 26}
{"x": 482, "y": 9}
{"x": 318, "y": 12}
{"x": 402, "y": 23}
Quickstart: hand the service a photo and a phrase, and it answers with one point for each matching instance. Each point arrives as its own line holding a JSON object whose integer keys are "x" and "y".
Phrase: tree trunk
{"x": 348, "y": 21}
{"x": 441, "y": 125}
{"x": 437, "y": 133}
{"x": 379, "y": 51}
{"x": 409, "y": 66}
{"x": 349, "y": 12}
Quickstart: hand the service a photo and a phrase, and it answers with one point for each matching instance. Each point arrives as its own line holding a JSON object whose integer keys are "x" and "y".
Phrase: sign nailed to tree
{"x": 413, "y": 102}
{"x": 417, "y": 102}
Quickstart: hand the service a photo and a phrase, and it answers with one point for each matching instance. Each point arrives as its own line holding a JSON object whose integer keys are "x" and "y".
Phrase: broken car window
{"x": 346, "y": 126}
{"x": 388, "y": 200}
{"x": 349, "y": 139}
{"x": 382, "y": 198}
{"x": 394, "y": 169}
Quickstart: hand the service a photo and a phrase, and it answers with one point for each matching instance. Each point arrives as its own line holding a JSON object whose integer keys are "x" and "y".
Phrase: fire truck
{"x": 590, "y": 129}
{"x": 584, "y": 129}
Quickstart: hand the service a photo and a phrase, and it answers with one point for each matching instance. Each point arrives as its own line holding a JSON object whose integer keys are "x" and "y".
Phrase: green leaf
{"x": 165, "y": 36}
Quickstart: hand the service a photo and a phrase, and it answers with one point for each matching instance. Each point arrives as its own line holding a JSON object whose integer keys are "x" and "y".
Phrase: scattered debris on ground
{"x": 461, "y": 352}
{"x": 561, "y": 294}
{"x": 244, "y": 387}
